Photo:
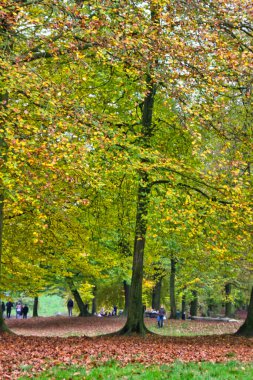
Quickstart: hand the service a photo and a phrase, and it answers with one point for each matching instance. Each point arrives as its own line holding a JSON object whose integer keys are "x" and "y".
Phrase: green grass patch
{"x": 190, "y": 328}
{"x": 51, "y": 305}
{"x": 177, "y": 371}
{"x": 184, "y": 329}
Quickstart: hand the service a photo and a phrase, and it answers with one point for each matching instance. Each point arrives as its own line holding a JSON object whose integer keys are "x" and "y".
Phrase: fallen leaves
{"x": 21, "y": 354}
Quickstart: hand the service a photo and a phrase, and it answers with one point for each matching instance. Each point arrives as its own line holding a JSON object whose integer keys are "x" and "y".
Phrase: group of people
{"x": 104, "y": 313}
{"x": 21, "y": 310}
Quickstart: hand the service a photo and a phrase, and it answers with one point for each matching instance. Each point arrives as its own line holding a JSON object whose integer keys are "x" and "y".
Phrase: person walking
{"x": 9, "y": 306}
{"x": 18, "y": 310}
{"x": 70, "y": 305}
{"x": 161, "y": 316}
{"x": 25, "y": 311}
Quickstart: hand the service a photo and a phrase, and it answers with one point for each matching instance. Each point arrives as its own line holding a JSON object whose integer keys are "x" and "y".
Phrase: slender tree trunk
{"x": 156, "y": 294}
{"x": 228, "y": 303}
{"x": 173, "y": 307}
{"x": 194, "y": 304}
{"x": 35, "y": 306}
{"x": 127, "y": 297}
{"x": 83, "y": 308}
{"x": 246, "y": 328}
{"x": 183, "y": 306}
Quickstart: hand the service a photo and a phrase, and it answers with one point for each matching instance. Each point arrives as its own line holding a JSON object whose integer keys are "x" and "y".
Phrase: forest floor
{"x": 41, "y": 343}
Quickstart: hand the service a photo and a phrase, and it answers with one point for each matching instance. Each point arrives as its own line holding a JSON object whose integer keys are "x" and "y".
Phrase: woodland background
{"x": 126, "y": 154}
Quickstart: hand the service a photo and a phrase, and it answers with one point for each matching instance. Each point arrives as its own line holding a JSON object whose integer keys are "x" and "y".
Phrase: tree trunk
{"x": 3, "y": 157}
{"x": 228, "y": 303}
{"x": 173, "y": 307}
{"x": 156, "y": 294}
{"x": 135, "y": 320}
{"x": 246, "y": 328}
{"x": 194, "y": 304}
{"x": 94, "y": 302}
{"x": 3, "y": 327}
{"x": 35, "y": 306}
{"x": 83, "y": 308}
{"x": 127, "y": 297}
{"x": 183, "y": 307}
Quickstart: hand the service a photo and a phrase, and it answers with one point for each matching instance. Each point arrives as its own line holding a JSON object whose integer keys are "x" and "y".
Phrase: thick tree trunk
{"x": 83, "y": 308}
{"x": 94, "y": 302}
{"x": 135, "y": 319}
{"x": 173, "y": 307}
{"x": 228, "y": 303}
{"x": 3, "y": 157}
{"x": 3, "y": 327}
{"x": 35, "y": 306}
{"x": 127, "y": 297}
{"x": 156, "y": 294}
{"x": 246, "y": 328}
{"x": 194, "y": 304}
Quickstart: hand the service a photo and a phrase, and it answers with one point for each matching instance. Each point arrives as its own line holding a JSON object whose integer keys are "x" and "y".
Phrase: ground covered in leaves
{"x": 46, "y": 342}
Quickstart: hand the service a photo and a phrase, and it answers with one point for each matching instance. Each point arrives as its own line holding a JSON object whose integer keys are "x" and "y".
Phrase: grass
{"x": 52, "y": 305}
{"x": 177, "y": 371}
{"x": 190, "y": 328}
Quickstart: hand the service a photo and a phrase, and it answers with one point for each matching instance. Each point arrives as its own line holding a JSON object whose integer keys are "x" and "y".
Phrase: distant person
{"x": 70, "y": 305}
{"x": 3, "y": 308}
{"x": 161, "y": 316}
{"x": 18, "y": 310}
{"x": 9, "y": 306}
{"x": 115, "y": 310}
{"x": 25, "y": 311}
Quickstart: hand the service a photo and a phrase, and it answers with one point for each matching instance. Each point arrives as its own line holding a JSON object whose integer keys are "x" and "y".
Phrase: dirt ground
{"x": 92, "y": 326}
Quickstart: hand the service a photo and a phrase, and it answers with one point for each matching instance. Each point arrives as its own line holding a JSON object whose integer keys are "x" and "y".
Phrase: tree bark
{"x": 127, "y": 297}
{"x": 94, "y": 302}
{"x": 35, "y": 306}
{"x": 3, "y": 327}
{"x": 135, "y": 320}
{"x": 83, "y": 308}
{"x": 3, "y": 158}
{"x": 228, "y": 303}
{"x": 183, "y": 306}
{"x": 194, "y": 304}
{"x": 173, "y": 307}
{"x": 156, "y": 294}
{"x": 246, "y": 328}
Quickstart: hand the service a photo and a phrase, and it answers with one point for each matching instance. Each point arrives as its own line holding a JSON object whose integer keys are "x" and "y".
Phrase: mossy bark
{"x": 135, "y": 320}
{"x": 246, "y": 328}
{"x": 126, "y": 296}
{"x": 228, "y": 303}
{"x": 35, "y": 306}
{"x": 194, "y": 304}
{"x": 173, "y": 307}
{"x": 156, "y": 294}
{"x": 3, "y": 326}
{"x": 94, "y": 301}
